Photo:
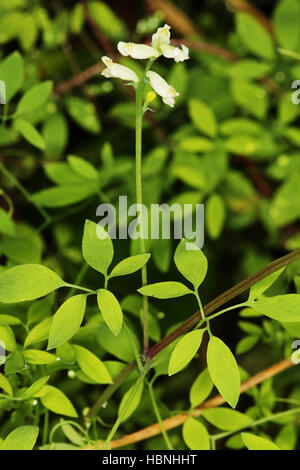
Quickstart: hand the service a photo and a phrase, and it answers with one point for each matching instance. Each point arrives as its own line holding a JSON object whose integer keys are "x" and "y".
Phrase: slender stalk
{"x": 266, "y": 419}
{"x": 139, "y": 191}
{"x": 158, "y": 417}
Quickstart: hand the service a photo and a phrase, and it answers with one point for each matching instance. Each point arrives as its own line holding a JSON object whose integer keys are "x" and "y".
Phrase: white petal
{"x": 118, "y": 71}
{"x": 179, "y": 55}
{"x": 162, "y": 88}
{"x": 137, "y": 51}
{"x": 161, "y": 37}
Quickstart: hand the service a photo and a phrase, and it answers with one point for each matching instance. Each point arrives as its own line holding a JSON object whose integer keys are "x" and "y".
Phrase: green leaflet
{"x": 34, "y": 356}
{"x": 255, "y": 36}
{"x": 98, "y": 253}
{"x": 285, "y": 308}
{"x": 34, "y": 98}
{"x": 111, "y": 310}
{"x": 286, "y": 24}
{"x": 92, "y": 366}
{"x": 27, "y": 282}
{"x": 165, "y": 290}
{"x": 227, "y": 419}
{"x": 12, "y": 74}
{"x": 83, "y": 168}
{"x": 203, "y": 117}
{"x": 29, "y": 132}
{"x": 9, "y": 320}
{"x": 5, "y": 385}
{"x": 184, "y": 351}
{"x": 21, "y": 438}
{"x": 253, "y": 442}
{"x": 136, "y": 399}
{"x": 260, "y": 287}
{"x": 129, "y": 265}
{"x": 191, "y": 263}
{"x": 67, "y": 321}
{"x": 201, "y": 388}
{"x": 55, "y": 400}
{"x": 215, "y": 215}
{"x": 36, "y": 387}
{"x": 223, "y": 370}
{"x": 39, "y": 333}
{"x": 195, "y": 435}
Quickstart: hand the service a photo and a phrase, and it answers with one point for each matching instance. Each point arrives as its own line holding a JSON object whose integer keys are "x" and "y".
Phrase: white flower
{"x": 179, "y": 55}
{"x": 137, "y": 51}
{"x": 161, "y": 37}
{"x": 118, "y": 71}
{"x": 162, "y": 88}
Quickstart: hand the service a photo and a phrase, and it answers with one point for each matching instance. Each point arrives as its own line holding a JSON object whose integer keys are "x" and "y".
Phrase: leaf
{"x": 134, "y": 403}
{"x": 203, "y": 117}
{"x": 21, "y": 438}
{"x": 119, "y": 346}
{"x": 107, "y": 20}
{"x": 84, "y": 114}
{"x": 34, "y": 98}
{"x": 195, "y": 435}
{"x": 98, "y": 253}
{"x": 72, "y": 434}
{"x": 129, "y": 265}
{"x": 251, "y": 97}
{"x": 223, "y": 370}
{"x": 61, "y": 196}
{"x": 5, "y": 385}
{"x": 15, "y": 363}
{"x": 191, "y": 263}
{"x": 8, "y": 338}
{"x": 55, "y": 135}
{"x": 12, "y": 74}
{"x": 9, "y": 320}
{"x": 7, "y": 226}
{"x": 111, "y": 310}
{"x": 67, "y": 321}
{"x": 56, "y": 401}
{"x": 254, "y": 36}
{"x": 246, "y": 344}
{"x": 287, "y": 437}
{"x": 36, "y": 387}
{"x": 27, "y": 282}
{"x": 260, "y": 287}
{"x": 184, "y": 351}
{"x": 92, "y": 366}
{"x": 29, "y": 132}
{"x": 286, "y": 24}
{"x": 39, "y": 333}
{"x": 226, "y": 419}
{"x": 253, "y": 442}
{"x": 201, "y": 388}
{"x": 215, "y": 216}
{"x": 34, "y": 356}
{"x": 83, "y": 168}
{"x": 285, "y": 308}
{"x": 165, "y": 290}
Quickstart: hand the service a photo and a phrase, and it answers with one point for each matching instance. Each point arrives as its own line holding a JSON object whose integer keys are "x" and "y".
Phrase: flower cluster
{"x": 160, "y": 46}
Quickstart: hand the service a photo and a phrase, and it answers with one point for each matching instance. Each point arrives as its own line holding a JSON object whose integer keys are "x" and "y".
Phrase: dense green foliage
{"x": 71, "y": 309}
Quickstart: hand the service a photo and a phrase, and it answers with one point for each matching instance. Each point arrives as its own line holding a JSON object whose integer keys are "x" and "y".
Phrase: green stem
{"x": 158, "y": 417}
{"x": 78, "y": 279}
{"x": 46, "y": 427}
{"x": 73, "y": 286}
{"x": 257, "y": 423}
{"x": 139, "y": 191}
{"x": 215, "y": 315}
